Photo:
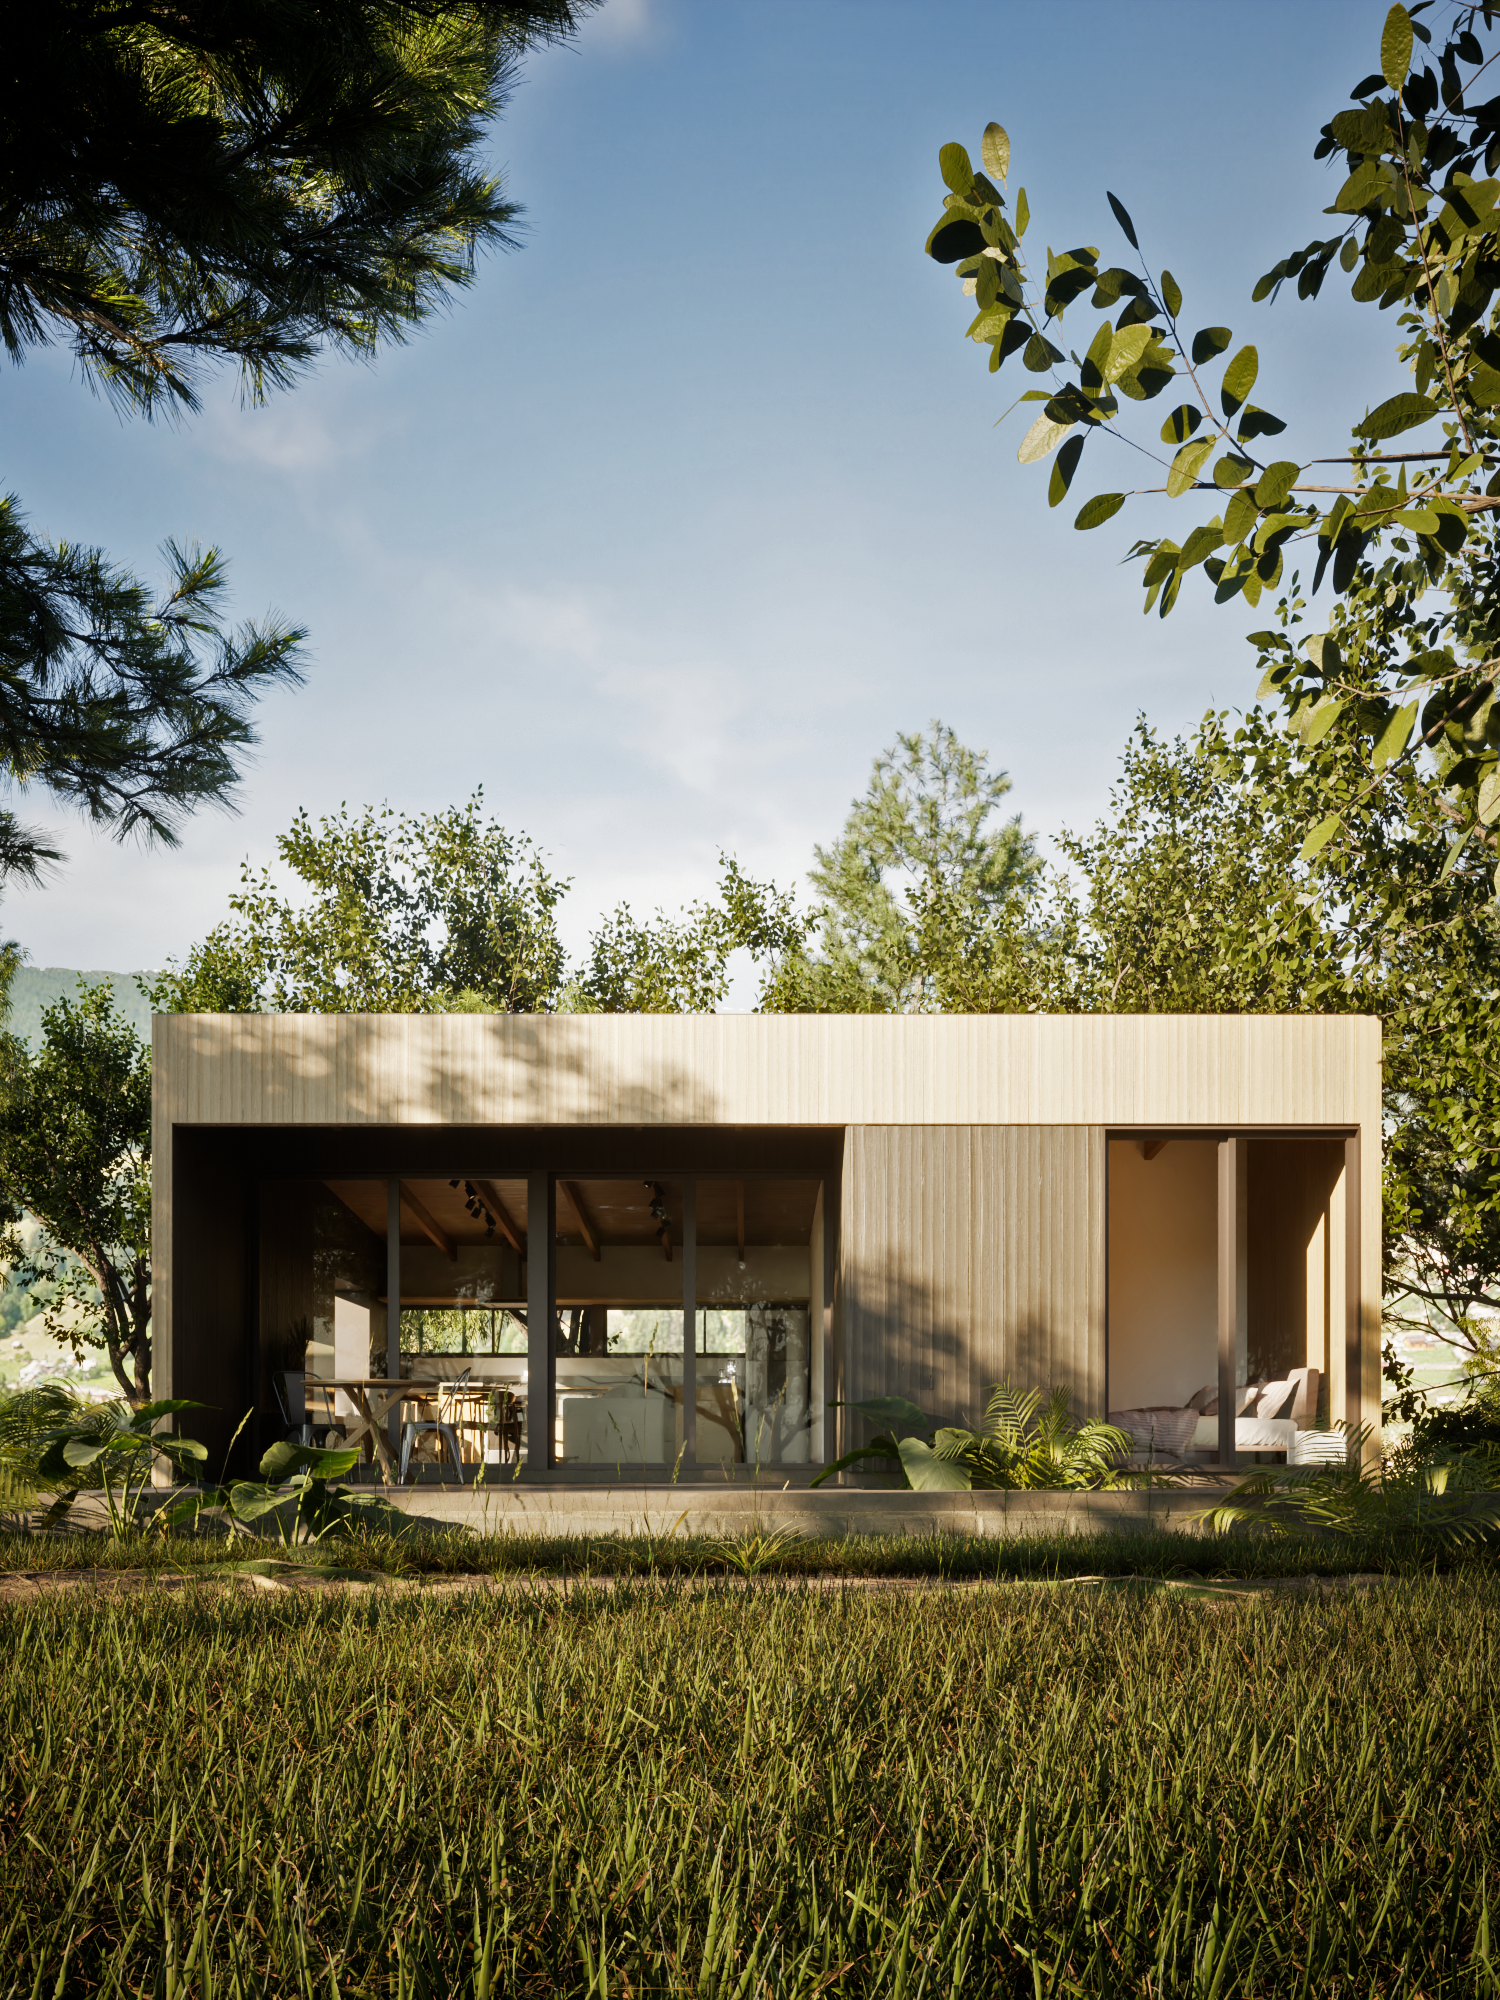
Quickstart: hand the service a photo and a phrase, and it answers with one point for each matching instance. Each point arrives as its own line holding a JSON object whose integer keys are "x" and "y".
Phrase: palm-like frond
{"x": 1453, "y": 1499}
{"x": 1031, "y": 1440}
{"x": 30, "y": 1419}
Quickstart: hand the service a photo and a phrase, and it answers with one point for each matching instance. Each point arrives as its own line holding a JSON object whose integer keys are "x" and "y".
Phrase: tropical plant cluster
{"x": 1074, "y": 1790}
{"x": 1030, "y": 1440}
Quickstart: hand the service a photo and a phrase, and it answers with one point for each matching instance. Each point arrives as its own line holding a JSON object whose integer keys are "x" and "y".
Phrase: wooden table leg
{"x": 377, "y": 1430}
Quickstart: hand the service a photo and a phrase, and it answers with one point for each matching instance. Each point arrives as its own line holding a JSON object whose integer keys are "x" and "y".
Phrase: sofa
{"x": 1269, "y": 1416}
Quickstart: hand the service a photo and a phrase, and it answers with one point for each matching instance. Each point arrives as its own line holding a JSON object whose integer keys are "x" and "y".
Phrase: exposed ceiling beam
{"x": 586, "y": 1227}
{"x": 435, "y": 1230}
{"x": 1152, "y": 1147}
{"x": 505, "y": 1222}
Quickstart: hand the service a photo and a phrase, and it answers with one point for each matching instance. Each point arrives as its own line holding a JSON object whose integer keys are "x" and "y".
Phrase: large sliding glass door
{"x": 647, "y": 1320}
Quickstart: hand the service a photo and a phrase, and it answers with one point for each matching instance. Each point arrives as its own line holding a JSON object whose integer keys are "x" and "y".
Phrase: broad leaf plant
{"x": 1401, "y": 519}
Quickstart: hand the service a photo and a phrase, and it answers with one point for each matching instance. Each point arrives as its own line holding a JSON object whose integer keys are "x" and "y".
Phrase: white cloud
{"x": 286, "y": 436}
{"x": 620, "y": 22}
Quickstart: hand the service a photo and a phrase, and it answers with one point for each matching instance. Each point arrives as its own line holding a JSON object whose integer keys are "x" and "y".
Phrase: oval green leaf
{"x": 953, "y": 239}
{"x": 1186, "y": 466}
{"x": 1276, "y": 482}
{"x": 1239, "y": 379}
{"x": 1123, "y": 219}
{"x": 1211, "y": 340}
{"x": 1171, "y": 294}
{"x": 956, "y": 168}
{"x": 1064, "y": 468}
{"x": 1180, "y": 426}
{"x": 1094, "y": 513}
{"x": 1043, "y": 437}
{"x": 1125, "y": 351}
{"x": 1322, "y": 719}
{"x": 1394, "y": 738}
{"x": 927, "y": 1473}
{"x": 1319, "y": 838}
{"x": 994, "y": 148}
{"x": 1232, "y": 471}
{"x": 1397, "y": 414}
{"x": 1395, "y": 47}
{"x": 1023, "y": 211}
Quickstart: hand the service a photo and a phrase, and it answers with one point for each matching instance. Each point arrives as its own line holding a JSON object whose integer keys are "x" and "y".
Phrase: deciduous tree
{"x": 75, "y": 1152}
{"x": 920, "y": 840}
{"x": 1407, "y": 660}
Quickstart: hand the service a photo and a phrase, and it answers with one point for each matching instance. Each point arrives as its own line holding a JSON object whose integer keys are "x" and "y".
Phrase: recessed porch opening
{"x": 1228, "y": 1267}
{"x": 577, "y": 1322}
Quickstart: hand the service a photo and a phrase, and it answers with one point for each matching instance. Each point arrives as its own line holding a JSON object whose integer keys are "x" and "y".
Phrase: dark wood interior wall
{"x": 1292, "y": 1186}
{"x": 214, "y": 1286}
{"x": 972, "y": 1255}
{"x": 286, "y": 1264}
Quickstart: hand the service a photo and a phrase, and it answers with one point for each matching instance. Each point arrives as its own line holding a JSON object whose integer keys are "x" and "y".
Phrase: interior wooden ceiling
{"x": 618, "y": 1212}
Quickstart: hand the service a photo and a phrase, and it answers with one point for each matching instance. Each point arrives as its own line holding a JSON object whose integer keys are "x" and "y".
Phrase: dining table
{"x": 374, "y": 1397}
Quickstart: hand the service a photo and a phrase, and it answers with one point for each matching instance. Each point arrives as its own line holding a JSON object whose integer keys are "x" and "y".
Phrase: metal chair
{"x": 416, "y": 1427}
{"x": 303, "y": 1433}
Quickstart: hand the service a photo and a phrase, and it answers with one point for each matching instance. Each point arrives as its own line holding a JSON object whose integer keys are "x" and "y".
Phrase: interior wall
{"x": 286, "y": 1268}
{"x": 1295, "y": 1240}
{"x": 971, "y": 1255}
{"x": 1163, "y": 1272}
{"x": 1163, "y": 1258}
{"x": 481, "y": 1272}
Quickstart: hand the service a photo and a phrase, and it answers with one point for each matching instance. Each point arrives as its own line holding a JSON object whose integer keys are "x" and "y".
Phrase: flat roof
{"x": 1130, "y": 1070}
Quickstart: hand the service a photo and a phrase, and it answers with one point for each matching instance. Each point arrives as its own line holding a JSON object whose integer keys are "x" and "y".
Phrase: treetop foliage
{"x": 922, "y": 831}
{"x": 1407, "y": 663}
{"x": 392, "y": 914}
{"x": 447, "y": 912}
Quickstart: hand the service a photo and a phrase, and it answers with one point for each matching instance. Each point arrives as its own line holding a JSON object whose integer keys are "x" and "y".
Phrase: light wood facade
{"x": 963, "y": 1167}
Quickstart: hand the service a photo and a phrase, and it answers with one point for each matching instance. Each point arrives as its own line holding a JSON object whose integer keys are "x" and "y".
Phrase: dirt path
{"x": 273, "y": 1578}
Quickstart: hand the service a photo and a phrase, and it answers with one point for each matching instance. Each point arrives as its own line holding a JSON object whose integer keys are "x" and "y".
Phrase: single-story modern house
{"x": 688, "y": 1244}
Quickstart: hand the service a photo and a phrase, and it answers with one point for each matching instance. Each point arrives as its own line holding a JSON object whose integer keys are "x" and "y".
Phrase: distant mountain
{"x": 36, "y": 987}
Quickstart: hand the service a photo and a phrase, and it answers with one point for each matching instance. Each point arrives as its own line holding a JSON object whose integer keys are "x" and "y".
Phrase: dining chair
{"x": 441, "y": 1433}
{"x": 505, "y": 1424}
{"x": 293, "y": 1432}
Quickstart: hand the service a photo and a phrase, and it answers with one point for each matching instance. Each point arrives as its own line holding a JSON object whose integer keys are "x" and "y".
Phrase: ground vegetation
{"x": 672, "y": 1790}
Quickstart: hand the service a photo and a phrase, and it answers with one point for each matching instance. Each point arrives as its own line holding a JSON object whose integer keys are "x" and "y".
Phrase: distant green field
{"x": 36, "y": 987}
{"x": 712, "y": 1792}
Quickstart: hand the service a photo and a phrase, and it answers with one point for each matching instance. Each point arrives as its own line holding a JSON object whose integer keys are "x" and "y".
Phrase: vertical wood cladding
{"x": 972, "y": 1255}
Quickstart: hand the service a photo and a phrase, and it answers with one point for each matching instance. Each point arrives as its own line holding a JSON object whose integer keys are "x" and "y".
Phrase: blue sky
{"x": 682, "y": 511}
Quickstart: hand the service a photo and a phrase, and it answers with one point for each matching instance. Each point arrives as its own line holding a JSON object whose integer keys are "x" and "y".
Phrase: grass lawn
{"x": 661, "y": 1789}
{"x": 447, "y": 1552}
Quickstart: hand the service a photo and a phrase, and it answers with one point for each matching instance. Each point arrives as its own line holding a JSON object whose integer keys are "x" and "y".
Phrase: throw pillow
{"x": 1276, "y": 1399}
